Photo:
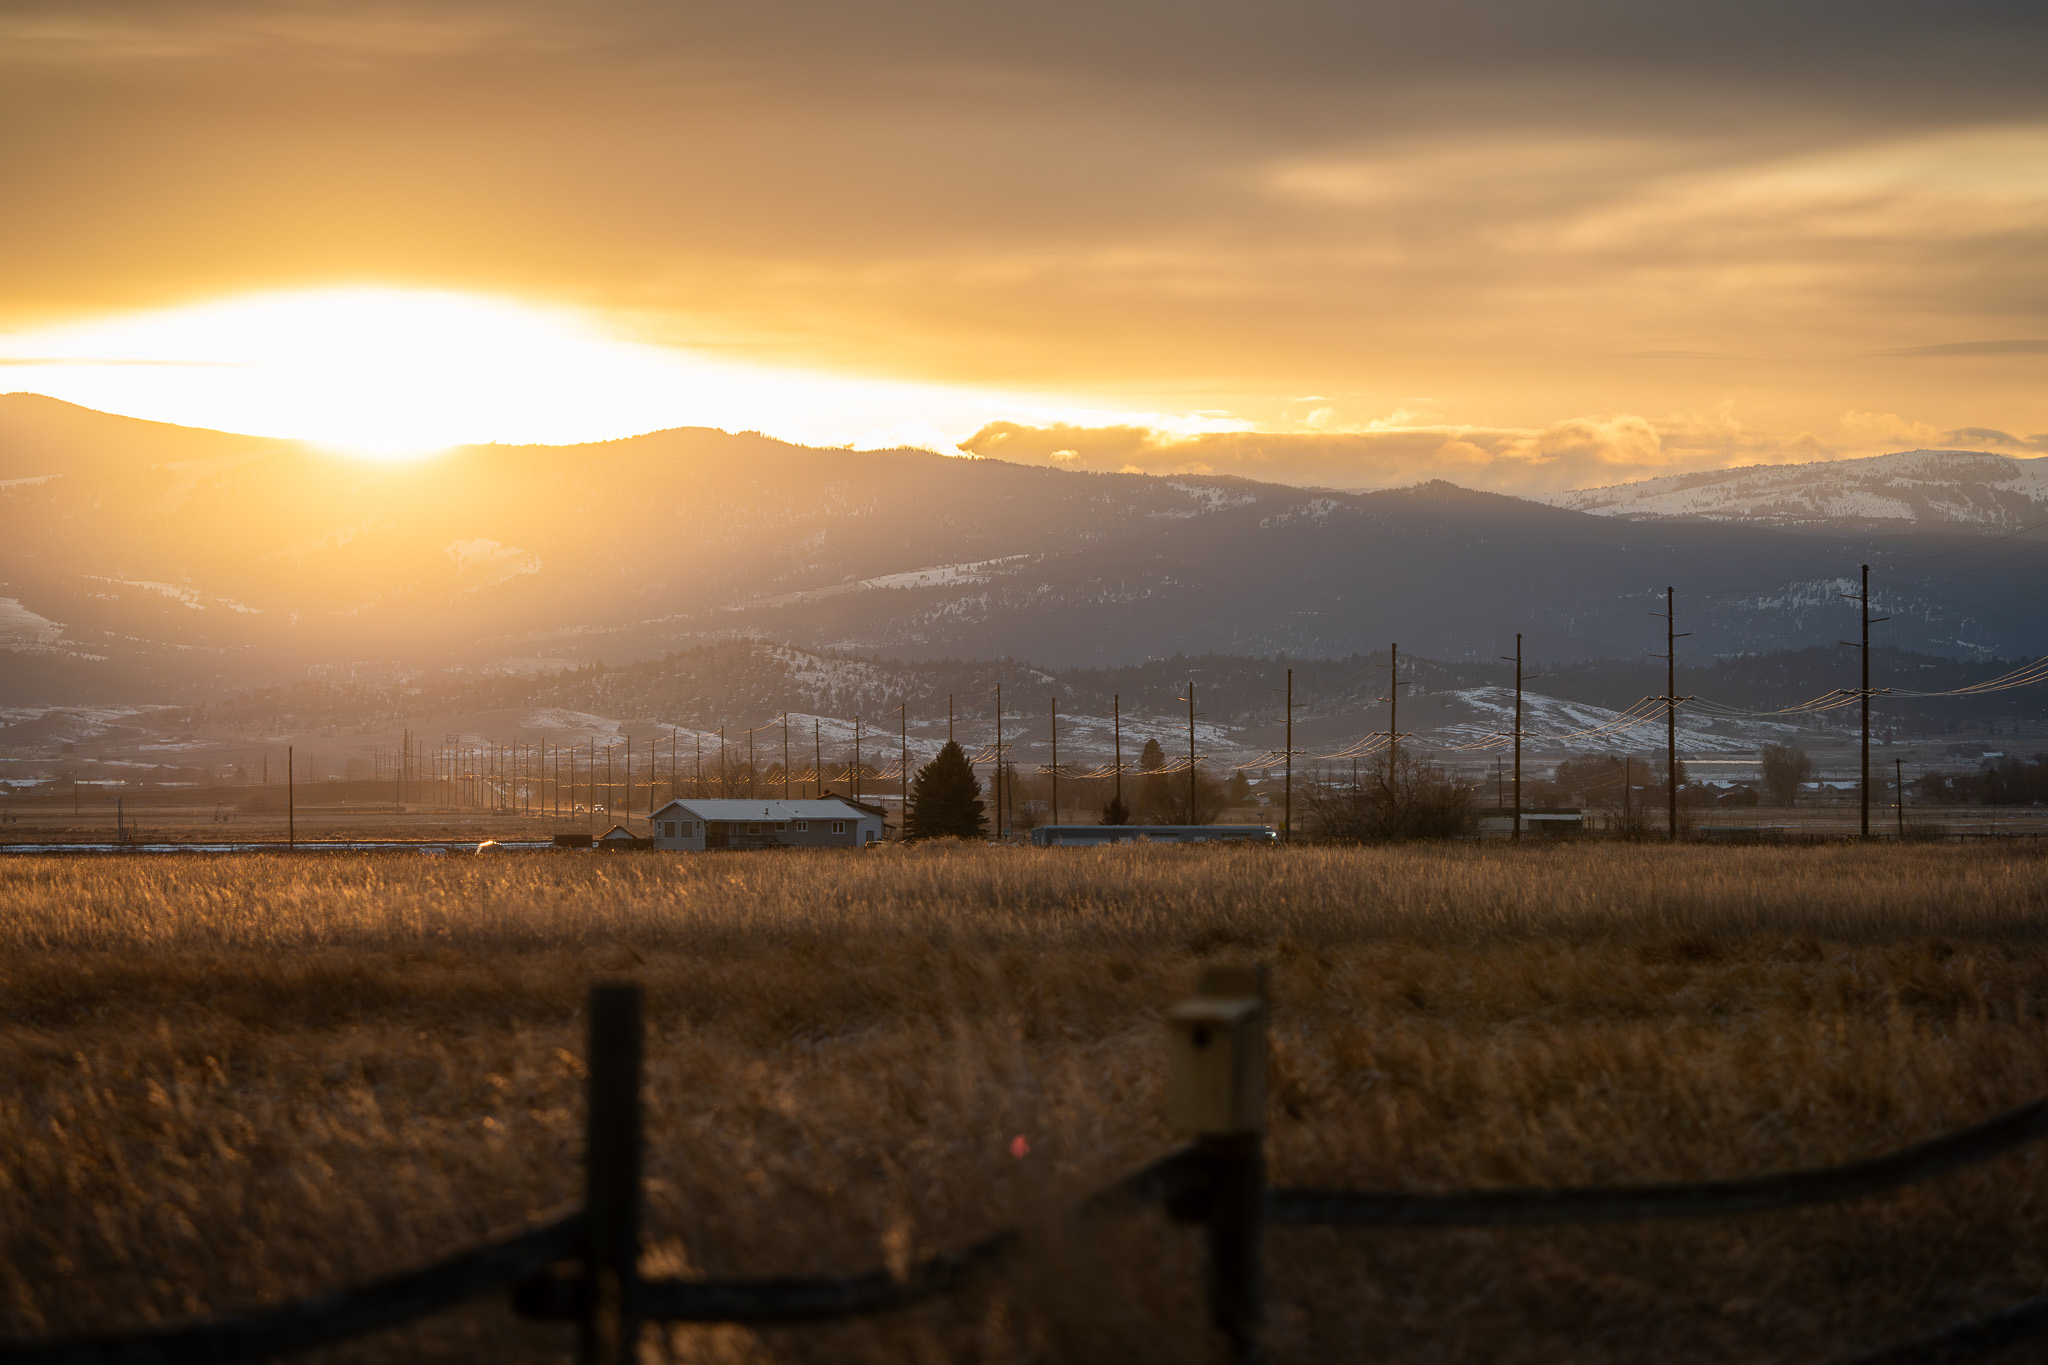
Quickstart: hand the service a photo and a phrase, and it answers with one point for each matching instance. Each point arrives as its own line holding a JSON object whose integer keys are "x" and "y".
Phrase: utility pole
{"x": 697, "y": 772}
{"x": 1191, "y": 751}
{"x": 724, "y": 773}
{"x": 949, "y": 718}
{"x": 1116, "y": 711}
{"x": 1671, "y": 700}
{"x": 590, "y": 812}
{"x": 818, "y": 740}
{"x": 291, "y": 798}
{"x": 1515, "y": 829}
{"x": 1899, "y": 790}
{"x": 856, "y": 758}
{"x": 1393, "y": 709}
{"x": 903, "y": 762}
{"x": 785, "y": 755}
{"x": 1865, "y": 690}
{"x": 750, "y": 763}
{"x": 999, "y": 764}
{"x": 1053, "y": 717}
{"x": 1287, "y": 784}
{"x": 1862, "y": 599}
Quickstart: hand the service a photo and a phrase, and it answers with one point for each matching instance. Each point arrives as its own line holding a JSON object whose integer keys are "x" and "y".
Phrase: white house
{"x": 699, "y": 823}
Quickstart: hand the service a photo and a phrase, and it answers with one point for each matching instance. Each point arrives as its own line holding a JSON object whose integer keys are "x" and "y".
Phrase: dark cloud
{"x": 1992, "y": 437}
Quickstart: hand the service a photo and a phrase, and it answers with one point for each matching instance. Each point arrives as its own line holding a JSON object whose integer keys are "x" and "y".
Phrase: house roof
{"x": 617, "y": 832}
{"x": 729, "y": 809}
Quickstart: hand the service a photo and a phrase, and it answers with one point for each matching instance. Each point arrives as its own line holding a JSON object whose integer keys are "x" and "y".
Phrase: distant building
{"x": 1085, "y": 836}
{"x": 1546, "y": 821}
{"x": 694, "y": 824}
{"x": 618, "y": 837}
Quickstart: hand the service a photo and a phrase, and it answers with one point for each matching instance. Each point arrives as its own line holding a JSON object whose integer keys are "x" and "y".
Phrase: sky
{"x": 1515, "y": 244}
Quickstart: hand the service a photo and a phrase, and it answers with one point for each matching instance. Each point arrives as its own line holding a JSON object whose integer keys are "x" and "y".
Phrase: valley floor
{"x": 225, "y": 1082}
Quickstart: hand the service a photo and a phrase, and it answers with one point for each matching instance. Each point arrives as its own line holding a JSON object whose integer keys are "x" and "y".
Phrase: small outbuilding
{"x": 696, "y": 824}
{"x": 619, "y": 838}
{"x": 1546, "y": 821}
{"x": 1090, "y": 836}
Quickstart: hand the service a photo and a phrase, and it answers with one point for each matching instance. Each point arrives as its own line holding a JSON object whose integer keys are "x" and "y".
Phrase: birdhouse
{"x": 1216, "y": 1073}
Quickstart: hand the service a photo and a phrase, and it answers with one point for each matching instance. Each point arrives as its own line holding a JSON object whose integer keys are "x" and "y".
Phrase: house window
{"x": 803, "y": 827}
{"x": 781, "y": 825}
{"x": 668, "y": 829}
{"x": 689, "y": 829}
{"x": 753, "y": 829}
{"x": 839, "y": 827}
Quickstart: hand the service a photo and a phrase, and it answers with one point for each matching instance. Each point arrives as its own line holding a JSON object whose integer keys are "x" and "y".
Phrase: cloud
{"x": 1583, "y": 207}
{"x": 1991, "y": 436}
{"x": 1577, "y": 452}
{"x": 1889, "y": 428}
{"x": 1970, "y": 348}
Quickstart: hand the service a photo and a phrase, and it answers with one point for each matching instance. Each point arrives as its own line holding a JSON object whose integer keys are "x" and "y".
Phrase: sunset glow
{"x": 1517, "y": 249}
{"x": 395, "y": 374}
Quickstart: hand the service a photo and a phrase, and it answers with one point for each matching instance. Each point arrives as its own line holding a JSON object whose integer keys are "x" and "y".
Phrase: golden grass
{"x": 229, "y": 1081}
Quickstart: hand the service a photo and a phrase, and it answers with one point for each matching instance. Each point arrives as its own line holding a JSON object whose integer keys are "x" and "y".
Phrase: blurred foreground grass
{"x": 226, "y": 1081}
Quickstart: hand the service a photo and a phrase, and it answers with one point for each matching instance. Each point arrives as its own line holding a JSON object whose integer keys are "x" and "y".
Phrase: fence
{"x": 582, "y": 1264}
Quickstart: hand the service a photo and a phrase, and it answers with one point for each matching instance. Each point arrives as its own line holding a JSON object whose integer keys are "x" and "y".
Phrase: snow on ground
{"x": 1547, "y": 721}
{"x": 943, "y": 575}
{"x": 1965, "y": 487}
{"x": 22, "y": 628}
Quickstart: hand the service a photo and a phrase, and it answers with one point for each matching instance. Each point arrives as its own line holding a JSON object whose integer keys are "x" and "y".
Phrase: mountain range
{"x": 1910, "y": 489}
{"x": 148, "y": 561}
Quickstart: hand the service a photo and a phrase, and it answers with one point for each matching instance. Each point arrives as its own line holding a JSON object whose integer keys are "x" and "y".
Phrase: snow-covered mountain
{"x": 1913, "y": 488}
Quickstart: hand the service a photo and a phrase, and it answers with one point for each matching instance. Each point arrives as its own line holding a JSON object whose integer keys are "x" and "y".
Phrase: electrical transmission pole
{"x": 1116, "y": 727}
{"x": 818, "y": 753}
{"x": 999, "y": 784}
{"x": 1515, "y": 829}
{"x": 1393, "y": 709}
{"x": 1671, "y": 700}
{"x": 1052, "y": 712}
{"x": 903, "y": 762}
{"x": 785, "y": 755}
{"x": 1899, "y": 767}
{"x": 1862, "y": 599}
{"x": 1191, "y": 752}
{"x": 1287, "y": 784}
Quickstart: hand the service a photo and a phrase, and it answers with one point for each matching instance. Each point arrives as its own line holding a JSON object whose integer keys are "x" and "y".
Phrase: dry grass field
{"x": 230, "y": 1081}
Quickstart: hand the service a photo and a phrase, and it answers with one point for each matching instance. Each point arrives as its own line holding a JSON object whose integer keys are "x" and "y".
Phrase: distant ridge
{"x": 150, "y": 562}
{"x": 1907, "y": 490}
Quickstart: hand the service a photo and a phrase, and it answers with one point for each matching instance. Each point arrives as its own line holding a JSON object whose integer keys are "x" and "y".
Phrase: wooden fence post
{"x": 1216, "y": 1091}
{"x": 610, "y": 1324}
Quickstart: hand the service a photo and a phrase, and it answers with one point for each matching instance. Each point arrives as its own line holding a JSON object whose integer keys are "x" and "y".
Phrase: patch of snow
{"x": 21, "y": 628}
{"x": 1915, "y": 486}
{"x": 485, "y": 563}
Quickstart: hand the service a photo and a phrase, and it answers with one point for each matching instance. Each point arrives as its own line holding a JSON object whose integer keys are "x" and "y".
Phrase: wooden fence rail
{"x": 582, "y": 1264}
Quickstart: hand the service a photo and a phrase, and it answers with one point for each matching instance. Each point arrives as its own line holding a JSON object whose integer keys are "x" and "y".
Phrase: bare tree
{"x": 1786, "y": 768}
{"x": 1409, "y": 797}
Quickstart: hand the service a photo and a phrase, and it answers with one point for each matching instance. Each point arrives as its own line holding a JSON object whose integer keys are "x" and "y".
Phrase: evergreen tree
{"x": 1116, "y": 813}
{"x": 945, "y": 799}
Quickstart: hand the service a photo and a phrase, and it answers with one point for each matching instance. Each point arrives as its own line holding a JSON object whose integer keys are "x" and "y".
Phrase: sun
{"x": 381, "y": 372}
